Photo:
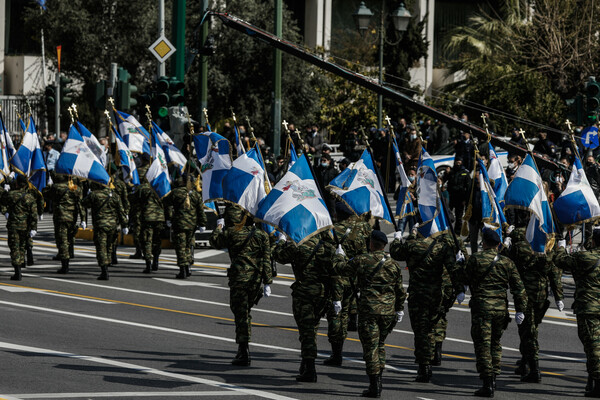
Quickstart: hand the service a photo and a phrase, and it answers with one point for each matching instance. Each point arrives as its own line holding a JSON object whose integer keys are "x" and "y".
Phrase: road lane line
{"x": 88, "y": 395}
{"x": 143, "y": 369}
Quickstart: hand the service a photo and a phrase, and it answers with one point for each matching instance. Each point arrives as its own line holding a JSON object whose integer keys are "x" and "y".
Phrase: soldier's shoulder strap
{"x": 376, "y": 270}
{"x": 313, "y": 254}
{"x": 248, "y": 238}
{"x": 490, "y": 267}
{"x": 430, "y": 248}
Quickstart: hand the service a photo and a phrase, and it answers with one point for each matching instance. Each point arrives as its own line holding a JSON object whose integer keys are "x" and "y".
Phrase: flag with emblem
{"x": 29, "y": 160}
{"x": 244, "y": 183}
{"x": 491, "y": 212}
{"x": 293, "y": 155}
{"x": 76, "y": 159}
{"x": 404, "y": 205}
{"x": 92, "y": 143}
{"x": 577, "y": 203}
{"x": 434, "y": 219}
{"x": 173, "y": 154}
{"x": 125, "y": 160}
{"x": 158, "y": 173}
{"x": 135, "y": 136}
{"x": 294, "y": 206}
{"x": 214, "y": 154}
{"x": 5, "y": 151}
{"x": 239, "y": 146}
{"x": 496, "y": 174}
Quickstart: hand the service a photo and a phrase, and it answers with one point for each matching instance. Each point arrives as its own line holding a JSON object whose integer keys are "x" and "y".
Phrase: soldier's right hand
{"x": 6, "y": 215}
{"x": 83, "y": 225}
{"x": 519, "y": 317}
{"x": 560, "y": 305}
{"x": 125, "y": 231}
{"x": 460, "y": 297}
{"x": 399, "y": 316}
{"x": 562, "y": 243}
{"x": 398, "y": 235}
{"x": 168, "y": 224}
{"x": 6, "y": 187}
{"x": 32, "y": 233}
{"x": 340, "y": 251}
{"x": 282, "y": 237}
{"x": 337, "y": 307}
{"x": 510, "y": 229}
{"x": 460, "y": 257}
{"x": 415, "y": 228}
{"x": 221, "y": 222}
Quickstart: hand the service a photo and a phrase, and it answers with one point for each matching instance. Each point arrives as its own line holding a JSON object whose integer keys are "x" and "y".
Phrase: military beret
{"x": 490, "y": 236}
{"x": 379, "y": 236}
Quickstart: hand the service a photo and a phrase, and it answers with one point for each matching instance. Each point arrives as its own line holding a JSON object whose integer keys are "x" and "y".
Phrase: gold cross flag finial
{"x": 74, "y": 107}
{"x": 388, "y": 120}
{"x": 285, "y": 125}
{"x": 484, "y": 118}
{"x": 111, "y": 101}
{"x": 569, "y": 125}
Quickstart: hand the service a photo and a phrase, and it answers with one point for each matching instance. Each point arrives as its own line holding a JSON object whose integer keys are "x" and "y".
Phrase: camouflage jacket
{"x": 315, "y": 276}
{"x": 39, "y": 200}
{"x": 151, "y": 207}
{"x": 381, "y": 291}
{"x": 452, "y": 268}
{"x": 21, "y": 207}
{"x": 185, "y": 209}
{"x": 66, "y": 203}
{"x": 488, "y": 289}
{"x": 122, "y": 190}
{"x": 107, "y": 210}
{"x": 250, "y": 259}
{"x": 586, "y": 273}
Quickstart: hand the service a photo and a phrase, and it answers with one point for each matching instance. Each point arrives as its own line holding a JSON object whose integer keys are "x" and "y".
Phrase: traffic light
{"x": 175, "y": 87}
{"x": 65, "y": 97}
{"x": 125, "y": 90}
{"x": 50, "y": 96}
{"x": 162, "y": 96}
{"x": 592, "y": 94}
{"x": 576, "y": 110}
{"x": 100, "y": 95}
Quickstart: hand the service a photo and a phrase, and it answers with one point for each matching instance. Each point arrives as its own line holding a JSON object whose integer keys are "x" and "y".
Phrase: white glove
{"x": 460, "y": 297}
{"x": 267, "y": 290}
{"x": 41, "y": 217}
{"x": 460, "y": 257}
{"x": 83, "y": 225}
{"x": 282, "y": 237}
{"x": 6, "y": 215}
{"x": 340, "y": 251}
{"x": 507, "y": 242}
{"x": 414, "y": 230}
{"x": 519, "y": 317}
{"x": 399, "y": 316}
{"x": 6, "y": 187}
{"x": 560, "y": 305}
{"x": 337, "y": 307}
{"x": 510, "y": 229}
{"x": 168, "y": 224}
{"x": 32, "y": 233}
{"x": 398, "y": 235}
{"x": 50, "y": 182}
{"x": 201, "y": 229}
{"x": 125, "y": 231}
{"x": 577, "y": 249}
{"x": 221, "y": 222}
{"x": 562, "y": 243}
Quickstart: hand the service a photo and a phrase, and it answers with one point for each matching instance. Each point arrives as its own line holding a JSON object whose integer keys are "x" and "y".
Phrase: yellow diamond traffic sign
{"x": 162, "y": 49}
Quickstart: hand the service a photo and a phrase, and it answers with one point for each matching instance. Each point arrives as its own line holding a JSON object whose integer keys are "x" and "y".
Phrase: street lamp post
{"x": 400, "y": 17}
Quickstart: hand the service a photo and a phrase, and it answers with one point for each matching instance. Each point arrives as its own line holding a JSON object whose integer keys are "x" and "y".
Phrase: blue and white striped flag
{"x": 491, "y": 212}
{"x": 92, "y": 143}
{"x": 359, "y": 188}
{"x": 526, "y": 192}
{"x": 125, "y": 160}
{"x": 577, "y": 203}
{"x": 435, "y": 220}
{"x": 293, "y": 155}
{"x": 496, "y": 173}
{"x": 239, "y": 146}
{"x": 244, "y": 183}
{"x": 404, "y": 205}
{"x": 214, "y": 154}
{"x": 5, "y": 151}
{"x": 136, "y": 137}
{"x": 158, "y": 173}
{"x": 173, "y": 154}
{"x": 29, "y": 160}
{"x": 77, "y": 159}
{"x": 294, "y": 206}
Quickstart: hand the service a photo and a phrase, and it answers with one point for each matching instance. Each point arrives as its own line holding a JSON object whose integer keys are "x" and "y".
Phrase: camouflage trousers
{"x": 528, "y": 330}
{"x": 64, "y": 233}
{"x": 486, "y": 332}
{"x": 337, "y": 325}
{"x": 135, "y": 231}
{"x": 373, "y": 330}
{"x": 104, "y": 241}
{"x": 439, "y": 330}
{"x": 151, "y": 239}
{"x": 184, "y": 241}
{"x": 17, "y": 243}
{"x": 241, "y": 300}
{"x": 588, "y": 330}
{"x": 422, "y": 320}
{"x": 307, "y": 313}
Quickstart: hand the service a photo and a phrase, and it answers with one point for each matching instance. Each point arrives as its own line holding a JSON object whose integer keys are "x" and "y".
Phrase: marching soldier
{"x": 311, "y": 292}
{"x": 20, "y": 208}
{"x": 354, "y": 235}
{"x": 585, "y": 267}
{"x": 250, "y": 254}
{"x": 40, "y": 204}
{"x": 152, "y": 221}
{"x": 135, "y": 207}
{"x": 107, "y": 213}
{"x": 186, "y": 214}
{"x": 425, "y": 259}
{"x": 66, "y": 207}
{"x": 121, "y": 190}
{"x": 380, "y": 305}
{"x": 489, "y": 275}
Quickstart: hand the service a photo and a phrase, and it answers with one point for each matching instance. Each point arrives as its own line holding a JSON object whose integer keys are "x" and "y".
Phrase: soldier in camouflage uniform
{"x": 135, "y": 210}
{"x": 107, "y": 213}
{"x": 40, "y": 204}
{"x": 250, "y": 254}
{"x": 585, "y": 267}
{"x": 122, "y": 190}
{"x": 66, "y": 205}
{"x": 311, "y": 292}
{"x": 489, "y": 275}
{"x": 425, "y": 259}
{"x": 353, "y": 233}
{"x": 380, "y": 305}
{"x": 152, "y": 219}
{"x": 186, "y": 214}
{"x": 20, "y": 209}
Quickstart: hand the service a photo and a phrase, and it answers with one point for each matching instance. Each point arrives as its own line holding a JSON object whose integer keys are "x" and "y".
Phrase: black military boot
{"x": 423, "y": 373}
{"x": 437, "y": 354}
{"x": 494, "y": 381}
{"x": 487, "y": 390}
{"x": 71, "y": 250}
{"x": 590, "y": 383}
{"x": 181, "y": 274}
{"x": 522, "y": 367}
{"x": 242, "y": 358}
{"x": 310, "y": 373}
{"x": 335, "y": 359}
{"x": 188, "y": 271}
{"x": 64, "y": 267}
{"x": 56, "y": 257}
{"x": 17, "y": 276}
{"x": 113, "y": 258}
{"x": 148, "y": 264}
{"x": 374, "y": 390}
{"x": 104, "y": 274}
{"x": 137, "y": 255}
{"x": 155, "y": 262}
{"x": 534, "y": 375}
{"x": 594, "y": 389}
{"x": 352, "y": 325}
{"x": 29, "y": 255}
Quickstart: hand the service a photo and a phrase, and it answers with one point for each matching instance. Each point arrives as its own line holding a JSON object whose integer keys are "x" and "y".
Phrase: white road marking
{"x": 180, "y": 282}
{"x": 209, "y": 393}
{"x": 143, "y": 369}
{"x": 207, "y": 253}
{"x": 14, "y": 289}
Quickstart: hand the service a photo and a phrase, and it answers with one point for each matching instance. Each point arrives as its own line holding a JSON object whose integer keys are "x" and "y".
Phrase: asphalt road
{"x": 152, "y": 336}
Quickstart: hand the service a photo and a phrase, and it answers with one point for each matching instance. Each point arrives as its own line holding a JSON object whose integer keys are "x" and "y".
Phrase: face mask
{"x": 413, "y": 137}
{"x": 411, "y": 178}
{"x": 511, "y": 165}
{"x": 324, "y": 164}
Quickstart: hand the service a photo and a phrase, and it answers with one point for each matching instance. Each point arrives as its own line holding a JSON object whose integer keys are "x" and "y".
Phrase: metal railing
{"x": 11, "y": 105}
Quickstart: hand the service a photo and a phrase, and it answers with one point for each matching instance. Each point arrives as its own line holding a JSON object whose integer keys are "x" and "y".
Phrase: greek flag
{"x": 29, "y": 160}
{"x": 435, "y": 221}
{"x": 293, "y": 155}
{"x": 5, "y": 150}
{"x": 526, "y": 192}
{"x": 77, "y": 159}
{"x": 294, "y": 206}
{"x": 244, "y": 183}
{"x": 158, "y": 173}
{"x": 577, "y": 203}
{"x": 136, "y": 137}
{"x": 214, "y": 154}
{"x": 491, "y": 213}
{"x": 92, "y": 143}
{"x": 404, "y": 205}
{"x": 359, "y": 188}
{"x": 125, "y": 160}
{"x": 173, "y": 154}
{"x": 496, "y": 173}
{"x": 239, "y": 146}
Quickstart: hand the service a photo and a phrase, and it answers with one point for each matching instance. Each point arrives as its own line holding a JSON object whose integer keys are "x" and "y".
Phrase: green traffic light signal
{"x": 592, "y": 94}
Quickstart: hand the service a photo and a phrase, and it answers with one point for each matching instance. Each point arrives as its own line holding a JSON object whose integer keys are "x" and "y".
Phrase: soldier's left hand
{"x": 519, "y": 317}
{"x": 168, "y": 224}
{"x": 398, "y": 235}
{"x": 510, "y": 229}
{"x": 507, "y": 242}
{"x": 125, "y": 231}
{"x": 221, "y": 222}
{"x": 460, "y": 297}
{"x": 562, "y": 243}
{"x": 32, "y": 233}
{"x": 41, "y": 217}
{"x": 7, "y": 187}
{"x": 337, "y": 307}
{"x": 340, "y": 251}
{"x": 201, "y": 229}
{"x": 399, "y": 316}
{"x": 267, "y": 290}
{"x": 560, "y": 305}
{"x": 460, "y": 257}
